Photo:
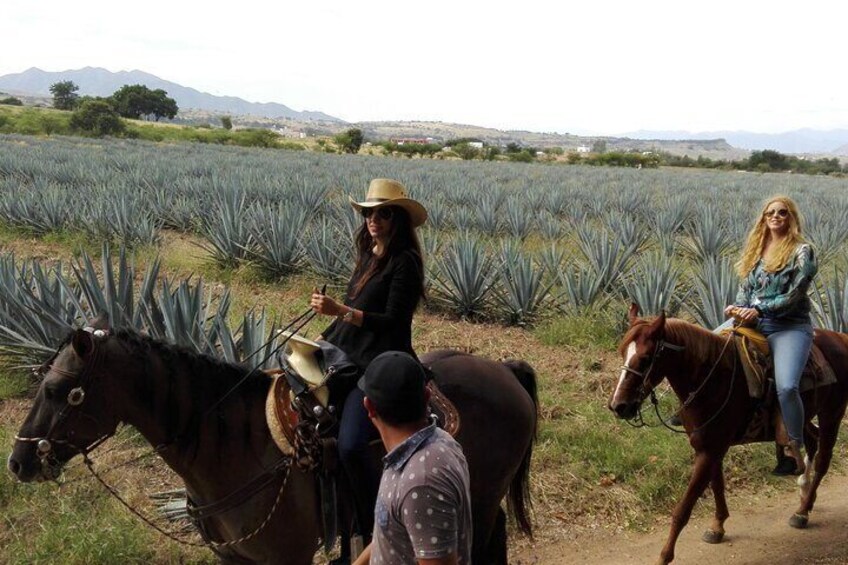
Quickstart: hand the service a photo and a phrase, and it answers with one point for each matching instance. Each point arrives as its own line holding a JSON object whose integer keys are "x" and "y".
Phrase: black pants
{"x": 355, "y": 433}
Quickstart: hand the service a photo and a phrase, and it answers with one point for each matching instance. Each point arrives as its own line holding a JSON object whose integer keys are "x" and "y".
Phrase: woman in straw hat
{"x": 375, "y": 316}
{"x": 776, "y": 269}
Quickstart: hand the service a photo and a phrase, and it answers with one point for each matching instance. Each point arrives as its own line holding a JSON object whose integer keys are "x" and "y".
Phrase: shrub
{"x": 98, "y": 118}
{"x": 11, "y": 101}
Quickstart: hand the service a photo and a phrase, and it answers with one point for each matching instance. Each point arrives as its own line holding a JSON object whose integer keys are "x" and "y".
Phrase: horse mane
{"x": 212, "y": 370}
{"x": 701, "y": 345}
{"x": 209, "y": 380}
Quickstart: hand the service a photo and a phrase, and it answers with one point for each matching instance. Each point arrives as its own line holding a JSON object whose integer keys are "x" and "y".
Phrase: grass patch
{"x": 13, "y": 384}
{"x": 592, "y": 328}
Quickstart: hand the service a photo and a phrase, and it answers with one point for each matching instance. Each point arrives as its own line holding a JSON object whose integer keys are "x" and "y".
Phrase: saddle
{"x": 300, "y": 394}
{"x": 755, "y": 357}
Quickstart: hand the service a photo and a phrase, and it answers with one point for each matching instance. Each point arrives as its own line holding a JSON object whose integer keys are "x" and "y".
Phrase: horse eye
{"x": 48, "y": 393}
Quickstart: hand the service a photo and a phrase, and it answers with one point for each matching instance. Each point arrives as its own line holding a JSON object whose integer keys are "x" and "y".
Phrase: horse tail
{"x": 518, "y": 499}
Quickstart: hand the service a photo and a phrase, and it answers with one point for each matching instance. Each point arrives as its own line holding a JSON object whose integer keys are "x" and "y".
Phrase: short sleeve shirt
{"x": 423, "y": 507}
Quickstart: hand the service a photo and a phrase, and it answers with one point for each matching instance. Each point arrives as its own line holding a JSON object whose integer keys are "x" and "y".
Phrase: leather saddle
{"x": 300, "y": 393}
{"x": 767, "y": 422}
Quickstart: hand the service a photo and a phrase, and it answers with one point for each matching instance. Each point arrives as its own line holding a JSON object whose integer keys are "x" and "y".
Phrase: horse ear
{"x": 633, "y": 313}
{"x": 83, "y": 343}
{"x": 658, "y": 325}
{"x": 101, "y": 322}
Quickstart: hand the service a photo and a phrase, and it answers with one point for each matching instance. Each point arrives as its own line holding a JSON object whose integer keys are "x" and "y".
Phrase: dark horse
{"x": 98, "y": 380}
{"x": 716, "y": 407}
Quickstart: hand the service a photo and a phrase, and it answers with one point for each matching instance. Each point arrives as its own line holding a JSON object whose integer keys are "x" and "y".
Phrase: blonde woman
{"x": 776, "y": 268}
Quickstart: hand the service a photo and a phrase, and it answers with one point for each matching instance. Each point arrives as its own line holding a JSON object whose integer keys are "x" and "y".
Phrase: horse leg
{"x": 701, "y": 474}
{"x": 716, "y": 532}
{"x": 496, "y": 550}
{"x": 811, "y": 479}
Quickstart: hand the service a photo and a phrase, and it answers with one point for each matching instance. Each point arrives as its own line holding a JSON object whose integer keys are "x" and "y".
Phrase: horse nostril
{"x": 14, "y": 466}
{"x": 620, "y": 409}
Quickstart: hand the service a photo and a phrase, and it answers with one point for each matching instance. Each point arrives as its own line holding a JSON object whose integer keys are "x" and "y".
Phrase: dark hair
{"x": 398, "y": 414}
{"x": 401, "y": 238}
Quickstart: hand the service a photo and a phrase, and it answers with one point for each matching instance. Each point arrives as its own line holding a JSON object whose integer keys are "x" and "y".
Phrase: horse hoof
{"x": 798, "y": 521}
{"x": 712, "y": 537}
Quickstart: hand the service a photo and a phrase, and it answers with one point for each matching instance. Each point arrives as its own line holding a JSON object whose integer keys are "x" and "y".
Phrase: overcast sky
{"x": 602, "y": 67}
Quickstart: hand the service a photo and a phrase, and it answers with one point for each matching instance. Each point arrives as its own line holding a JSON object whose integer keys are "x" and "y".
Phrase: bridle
{"x": 75, "y": 399}
{"x": 646, "y": 389}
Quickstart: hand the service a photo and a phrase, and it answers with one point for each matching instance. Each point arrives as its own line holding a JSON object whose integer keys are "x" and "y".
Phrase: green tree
{"x": 97, "y": 117}
{"x": 136, "y": 100}
{"x": 350, "y": 140}
{"x": 64, "y": 95}
{"x": 768, "y": 160}
{"x": 466, "y": 151}
{"x": 599, "y": 146}
{"x": 227, "y": 122}
{"x": 11, "y": 101}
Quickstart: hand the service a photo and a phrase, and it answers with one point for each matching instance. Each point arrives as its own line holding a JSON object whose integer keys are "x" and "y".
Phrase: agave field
{"x": 504, "y": 242}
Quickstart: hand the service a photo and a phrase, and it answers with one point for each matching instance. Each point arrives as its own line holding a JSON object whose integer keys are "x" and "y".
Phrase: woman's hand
{"x": 747, "y": 315}
{"x": 323, "y": 304}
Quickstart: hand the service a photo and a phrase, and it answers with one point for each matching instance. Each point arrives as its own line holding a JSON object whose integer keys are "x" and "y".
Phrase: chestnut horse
{"x": 707, "y": 377}
{"x": 225, "y": 454}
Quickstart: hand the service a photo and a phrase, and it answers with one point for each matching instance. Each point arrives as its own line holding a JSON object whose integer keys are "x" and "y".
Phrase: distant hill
{"x": 101, "y": 82}
{"x": 797, "y": 141}
{"x": 441, "y": 132}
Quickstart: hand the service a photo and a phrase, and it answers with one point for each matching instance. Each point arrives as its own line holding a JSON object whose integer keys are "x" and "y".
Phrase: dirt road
{"x": 757, "y": 534}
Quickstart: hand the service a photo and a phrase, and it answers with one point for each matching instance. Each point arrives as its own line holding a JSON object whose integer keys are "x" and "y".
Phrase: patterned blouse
{"x": 783, "y": 294}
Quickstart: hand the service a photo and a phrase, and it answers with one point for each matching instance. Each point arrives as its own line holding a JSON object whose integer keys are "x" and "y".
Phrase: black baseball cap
{"x": 394, "y": 383}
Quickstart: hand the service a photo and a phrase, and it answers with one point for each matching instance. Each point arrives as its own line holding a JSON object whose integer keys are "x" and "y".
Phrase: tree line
{"x": 101, "y": 115}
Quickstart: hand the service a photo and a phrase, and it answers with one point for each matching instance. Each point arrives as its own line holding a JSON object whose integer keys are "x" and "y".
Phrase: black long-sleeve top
{"x": 387, "y": 302}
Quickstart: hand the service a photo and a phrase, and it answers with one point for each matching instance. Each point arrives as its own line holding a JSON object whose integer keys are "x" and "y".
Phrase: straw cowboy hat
{"x": 388, "y": 192}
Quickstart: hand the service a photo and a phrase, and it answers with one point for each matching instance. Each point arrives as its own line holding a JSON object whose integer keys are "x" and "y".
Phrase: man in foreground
{"x": 423, "y": 512}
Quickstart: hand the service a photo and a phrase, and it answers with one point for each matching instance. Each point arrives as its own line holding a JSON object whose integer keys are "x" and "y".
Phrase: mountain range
{"x": 805, "y": 140}
{"x": 95, "y": 81}
{"x": 717, "y": 144}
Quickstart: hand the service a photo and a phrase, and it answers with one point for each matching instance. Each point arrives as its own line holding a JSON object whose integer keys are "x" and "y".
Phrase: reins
{"x": 650, "y": 391}
{"x": 306, "y": 317}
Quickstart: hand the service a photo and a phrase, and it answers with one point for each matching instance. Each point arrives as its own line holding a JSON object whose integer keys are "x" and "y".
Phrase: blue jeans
{"x": 790, "y": 344}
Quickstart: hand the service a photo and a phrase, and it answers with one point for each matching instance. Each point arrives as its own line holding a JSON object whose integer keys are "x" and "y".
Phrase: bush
{"x": 98, "y": 118}
{"x": 11, "y": 101}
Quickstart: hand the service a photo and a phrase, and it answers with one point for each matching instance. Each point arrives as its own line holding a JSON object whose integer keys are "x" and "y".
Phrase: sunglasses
{"x": 385, "y": 213}
{"x": 782, "y": 213}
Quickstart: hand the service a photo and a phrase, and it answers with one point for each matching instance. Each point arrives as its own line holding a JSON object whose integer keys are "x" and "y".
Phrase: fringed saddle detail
{"x": 283, "y": 418}
{"x": 444, "y": 409}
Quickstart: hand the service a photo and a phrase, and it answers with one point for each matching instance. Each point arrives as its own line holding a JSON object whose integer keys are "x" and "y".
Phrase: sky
{"x": 585, "y": 67}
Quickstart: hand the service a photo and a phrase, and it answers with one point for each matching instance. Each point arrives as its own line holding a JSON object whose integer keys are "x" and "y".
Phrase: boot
{"x": 785, "y": 464}
{"x": 796, "y": 450}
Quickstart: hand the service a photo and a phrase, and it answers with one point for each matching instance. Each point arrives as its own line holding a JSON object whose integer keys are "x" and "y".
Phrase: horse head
{"x": 72, "y": 412}
{"x": 640, "y": 348}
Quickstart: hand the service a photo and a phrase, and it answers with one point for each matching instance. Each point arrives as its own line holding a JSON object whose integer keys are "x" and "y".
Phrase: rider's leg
{"x": 790, "y": 349}
{"x": 355, "y": 433}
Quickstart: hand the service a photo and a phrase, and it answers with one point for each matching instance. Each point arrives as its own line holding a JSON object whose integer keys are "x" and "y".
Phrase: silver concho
{"x": 76, "y": 396}
{"x": 44, "y": 446}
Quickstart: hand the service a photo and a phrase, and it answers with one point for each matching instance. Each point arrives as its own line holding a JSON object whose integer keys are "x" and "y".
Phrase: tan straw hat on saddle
{"x": 388, "y": 192}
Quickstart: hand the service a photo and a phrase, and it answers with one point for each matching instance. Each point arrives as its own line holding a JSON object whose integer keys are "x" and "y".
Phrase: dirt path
{"x": 757, "y": 534}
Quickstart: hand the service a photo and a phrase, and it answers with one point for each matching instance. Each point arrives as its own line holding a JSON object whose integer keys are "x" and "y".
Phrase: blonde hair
{"x": 759, "y": 236}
